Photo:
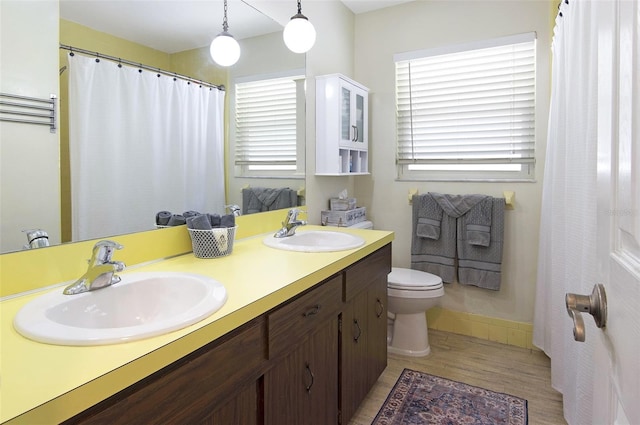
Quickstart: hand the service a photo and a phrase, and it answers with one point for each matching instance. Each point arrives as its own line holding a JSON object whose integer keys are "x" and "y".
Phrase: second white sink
{"x": 140, "y": 306}
{"x": 316, "y": 241}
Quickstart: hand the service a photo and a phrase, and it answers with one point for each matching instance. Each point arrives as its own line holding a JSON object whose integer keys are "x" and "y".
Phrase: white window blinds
{"x": 473, "y": 104}
{"x": 266, "y": 124}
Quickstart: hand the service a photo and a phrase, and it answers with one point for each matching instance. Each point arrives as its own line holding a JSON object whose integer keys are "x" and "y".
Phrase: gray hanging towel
{"x": 432, "y": 255}
{"x": 477, "y": 223}
{"x": 429, "y": 217}
{"x": 457, "y": 205}
{"x": 481, "y": 265}
{"x": 260, "y": 199}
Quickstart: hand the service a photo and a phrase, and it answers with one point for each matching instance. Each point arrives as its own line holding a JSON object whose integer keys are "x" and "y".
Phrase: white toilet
{"x": 410, "y": 294}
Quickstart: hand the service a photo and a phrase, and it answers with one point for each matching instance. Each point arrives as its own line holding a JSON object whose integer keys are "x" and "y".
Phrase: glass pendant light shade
{"x": 299, "y": 34}
{"x": 224, "y": 49}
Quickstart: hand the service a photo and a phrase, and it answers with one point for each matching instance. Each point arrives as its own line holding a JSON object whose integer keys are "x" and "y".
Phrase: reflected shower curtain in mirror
{"x": 140, "y": 144}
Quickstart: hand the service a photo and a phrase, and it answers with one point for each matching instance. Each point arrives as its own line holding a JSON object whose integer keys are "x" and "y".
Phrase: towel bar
{"x": 509, "y": 198}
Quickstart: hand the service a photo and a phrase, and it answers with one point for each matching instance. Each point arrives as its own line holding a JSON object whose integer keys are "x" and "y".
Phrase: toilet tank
{"x": 363, "y": 225}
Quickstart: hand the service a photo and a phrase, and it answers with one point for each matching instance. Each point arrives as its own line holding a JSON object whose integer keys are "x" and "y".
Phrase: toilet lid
{"x": 415, "y": 280}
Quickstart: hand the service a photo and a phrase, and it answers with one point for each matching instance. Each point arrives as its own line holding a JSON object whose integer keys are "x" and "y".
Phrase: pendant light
{"x": 299, "y": 34}
{"x": 224, "y": 49}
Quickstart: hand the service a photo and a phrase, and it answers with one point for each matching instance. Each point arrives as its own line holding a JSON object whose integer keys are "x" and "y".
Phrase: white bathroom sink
{"x": 316, "y": 241}
{"x": 140, "y": 306}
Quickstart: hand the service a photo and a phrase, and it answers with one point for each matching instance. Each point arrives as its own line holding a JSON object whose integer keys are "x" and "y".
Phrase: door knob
{"x": 594, "y": 304}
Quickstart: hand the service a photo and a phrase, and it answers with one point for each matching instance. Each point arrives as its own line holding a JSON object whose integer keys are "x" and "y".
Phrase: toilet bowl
{"x": 410, "y": 294}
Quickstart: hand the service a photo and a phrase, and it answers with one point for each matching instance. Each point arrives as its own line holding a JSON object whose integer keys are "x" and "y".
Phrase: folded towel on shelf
{"x": 481, "y": 265}
{"x": 431, "y": 255}
{"x": 429, "y": 217}
{"x": 162, "y": 218}
{"x": 176, "y": 220}
{"x": 199, "y": 222}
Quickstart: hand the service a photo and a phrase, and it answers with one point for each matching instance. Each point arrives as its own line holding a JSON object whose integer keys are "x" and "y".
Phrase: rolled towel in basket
{"x": 214, "y": 219}
{"x": 176, "y": 220}
{"x": 199, "y": 222}
{"x": 228, "y": 220}
{"x": 188, "y": 214}
{"x": 162, "y": 218}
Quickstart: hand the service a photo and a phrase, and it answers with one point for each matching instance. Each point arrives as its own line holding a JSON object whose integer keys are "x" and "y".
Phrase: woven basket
{"x": 212, "y": 243}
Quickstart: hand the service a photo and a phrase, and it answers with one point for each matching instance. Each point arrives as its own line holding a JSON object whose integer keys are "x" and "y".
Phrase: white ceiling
{"x": 177, "y": 25}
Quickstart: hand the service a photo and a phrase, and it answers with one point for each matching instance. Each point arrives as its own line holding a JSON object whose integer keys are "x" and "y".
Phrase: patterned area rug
{"x": 419, "y": 399}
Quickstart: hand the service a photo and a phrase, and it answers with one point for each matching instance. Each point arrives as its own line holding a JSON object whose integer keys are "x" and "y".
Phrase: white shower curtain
{"x": 139, "y": 144}
{"x": 567, "y": 251}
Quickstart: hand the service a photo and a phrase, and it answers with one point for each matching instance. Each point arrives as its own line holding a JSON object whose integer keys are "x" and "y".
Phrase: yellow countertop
{"x": 43, "y": 384}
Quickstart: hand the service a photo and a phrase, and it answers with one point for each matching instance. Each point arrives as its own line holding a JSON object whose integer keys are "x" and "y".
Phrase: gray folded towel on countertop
{"x": 199, "y": 222}
{"x": 162, "y": 218}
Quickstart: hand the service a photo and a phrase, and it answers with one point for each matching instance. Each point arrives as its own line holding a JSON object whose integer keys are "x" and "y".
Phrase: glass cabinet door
{"x": 345, "y": 114}
{"x": 359, "y": 119}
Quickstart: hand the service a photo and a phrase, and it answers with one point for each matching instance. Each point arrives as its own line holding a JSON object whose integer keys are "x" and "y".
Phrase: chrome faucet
{"x": 234, "y": 209}
{"x": 101, "y": 271}
{"x": 290, "y": 224}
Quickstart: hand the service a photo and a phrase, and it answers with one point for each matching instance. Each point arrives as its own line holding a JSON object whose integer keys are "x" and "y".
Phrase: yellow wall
{"x": 519, "y": 334}
{"x": 33, "y": 269}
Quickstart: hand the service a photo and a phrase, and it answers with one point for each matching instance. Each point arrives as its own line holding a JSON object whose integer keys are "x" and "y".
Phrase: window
{"x": 467, "y": 112}
{"x": 268, "y": 130}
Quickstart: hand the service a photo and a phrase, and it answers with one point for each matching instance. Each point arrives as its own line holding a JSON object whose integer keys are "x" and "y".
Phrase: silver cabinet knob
{"x": 594, "y": 304}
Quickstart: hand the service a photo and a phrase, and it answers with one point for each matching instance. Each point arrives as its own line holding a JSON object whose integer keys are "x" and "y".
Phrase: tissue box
{"x": 336, "y": 204}
{"x": 343, "y": 218}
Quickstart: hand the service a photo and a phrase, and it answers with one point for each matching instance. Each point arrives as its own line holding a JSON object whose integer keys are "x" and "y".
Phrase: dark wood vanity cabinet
{"x": 217, "y": 383}
{"x": 364, "y": 329}
{"x": 302, "y": 387}
{"x": 309, "y": 361}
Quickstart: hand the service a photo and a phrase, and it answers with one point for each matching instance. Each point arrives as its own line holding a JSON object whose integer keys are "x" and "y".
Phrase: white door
{"x": 617, "y": 362}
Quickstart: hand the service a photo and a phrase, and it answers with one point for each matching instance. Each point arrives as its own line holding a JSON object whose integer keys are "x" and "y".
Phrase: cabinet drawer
{"x": 290, "y": 324}
{"x": 364, "y": 272}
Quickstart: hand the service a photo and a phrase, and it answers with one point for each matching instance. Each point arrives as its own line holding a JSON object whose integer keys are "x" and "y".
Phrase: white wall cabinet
{"x": 342, "y": 115}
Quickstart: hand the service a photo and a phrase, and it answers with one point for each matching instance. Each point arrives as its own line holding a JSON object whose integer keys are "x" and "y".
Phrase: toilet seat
{"x": 413, "y": 280}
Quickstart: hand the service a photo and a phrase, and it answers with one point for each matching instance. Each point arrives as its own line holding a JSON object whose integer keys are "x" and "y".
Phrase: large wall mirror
{"x": 174, "y": 36}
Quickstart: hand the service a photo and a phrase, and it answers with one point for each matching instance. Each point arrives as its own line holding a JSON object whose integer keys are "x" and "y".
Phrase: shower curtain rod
{"x": 141, "y": 66}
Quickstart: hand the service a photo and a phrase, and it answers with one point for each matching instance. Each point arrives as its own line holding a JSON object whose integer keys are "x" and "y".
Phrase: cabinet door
{"x": 376, "y": 330}
{"x": 360, "y": 111}
{"x": 353, "y": 115}
{"x": 353, "y": 376}
{"x": 302, "y": 388}
{"x": 364, "y": 329}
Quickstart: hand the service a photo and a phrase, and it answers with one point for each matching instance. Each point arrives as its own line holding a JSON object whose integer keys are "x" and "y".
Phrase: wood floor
{"x": 498, "y": 367}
